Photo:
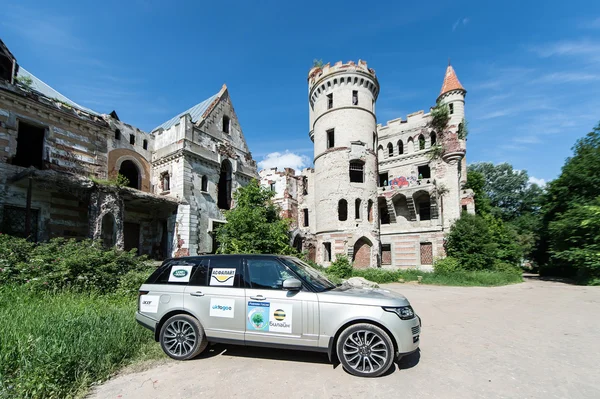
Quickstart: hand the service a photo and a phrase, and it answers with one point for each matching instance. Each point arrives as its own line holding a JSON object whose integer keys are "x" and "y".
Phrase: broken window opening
{"x": 354, "y": 97}
{"x": 464, "y": 208}
{"x": 357, "y": 174}
{"x": 383, "y": 179}
{"x": 421, "y": 142}
{"x": 433, "y": 137}
{"x": 226, "y": 123}
{"x": 342, "y": 210}
{"x": 330, "y": 101}
{"x": 374, "y": 141}
{"x": 390, "y": 150}
{"x": 424, "y": 172}
{"x": 166, "y": 181}
{"x": 132, "y": 139}
{"x": 384, "y": 215}
{"x": 327, "y": 252}
{"x": 272, "y": 186}
{"x": 386, "y": 254}
{"x": 224, "y": 187}
{"x": 145, "y": 144}
{"x": 204, "y": 185}
{"x": 370, "y": 211}
{"x": 425, "y": 210}
{"x": 305, "y": 214}
{"x": 400, "y": 147}
{"x": 304, "y": 185}
{"x": 130, "y": 171}
{"x": 30, "y": 146}
{"x": 451, "y": 108}
{"x": 330, "y": 138}
{"x": 357, "y": 209}
{"x": 117, "y": 134}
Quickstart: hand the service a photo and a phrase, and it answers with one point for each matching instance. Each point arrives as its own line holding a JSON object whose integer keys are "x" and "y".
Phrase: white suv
{"x": 274, "y": 301}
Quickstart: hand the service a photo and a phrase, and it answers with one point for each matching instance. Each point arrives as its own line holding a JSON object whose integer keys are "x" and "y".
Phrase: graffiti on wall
{"x": 403, "y": 181}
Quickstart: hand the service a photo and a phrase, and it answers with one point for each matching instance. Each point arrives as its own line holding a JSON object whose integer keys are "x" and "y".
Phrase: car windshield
{"x": 310, "y": 274}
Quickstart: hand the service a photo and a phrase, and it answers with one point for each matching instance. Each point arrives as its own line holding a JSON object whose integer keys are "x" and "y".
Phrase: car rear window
{"x": 180, "y": 272}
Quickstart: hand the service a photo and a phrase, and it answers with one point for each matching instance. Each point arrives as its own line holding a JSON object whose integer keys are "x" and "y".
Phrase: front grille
{"x": 416, "y": 330}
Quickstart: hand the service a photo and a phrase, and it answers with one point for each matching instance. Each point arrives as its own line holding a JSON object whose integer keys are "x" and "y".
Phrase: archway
{"x": 224, "y": 188}
{"x": 362, "y": 253}
{"x": 298, "y": 244}
{"x": 131, "y": 172}
{"x": 109, "y": 231}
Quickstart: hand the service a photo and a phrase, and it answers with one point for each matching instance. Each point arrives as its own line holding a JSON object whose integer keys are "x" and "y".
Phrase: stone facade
{"x": 384, "y": 195}
{"x": 59, "y": 163}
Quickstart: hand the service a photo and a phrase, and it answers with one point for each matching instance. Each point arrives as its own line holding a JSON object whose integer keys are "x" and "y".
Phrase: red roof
{"x": 451, "y": 81}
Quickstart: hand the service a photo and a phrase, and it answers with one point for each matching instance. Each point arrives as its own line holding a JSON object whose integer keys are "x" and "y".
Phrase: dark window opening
{"x": 357, "y": 209}
{"x": 224, "y": 188}
{"x": 390, "y": 150}
{"x": 132, "y": 139}
{"x": 6, "y": 67}
{"x": 400, "y": 147}
{"x": 272, "y": 187}
{"x": 215, "y": 236}
{"x": 204, "y": 186}
{"x": 433, "y": 138}
{"x": 131, "y": 172}
{"x": 421, "y": 142}
{"x": 384, "y": 215}
{"x": 464, "y": 208}
{"x": 354, "y": 97}
{"x": 117, "y": 134}
{"x": 383, "y": 179}
{"x": 109, "y": 230}
{"x": 330, "y": 138}
{"x": 451, "y": 108}
{"x": 14, "y": 222}
{"x": 370, "y": 211}
{"x": 330, "y": 101}
{"x": 145, "y": 144}
{"x": 386, "y": 254}
{"x": 166, "y": 181}
{"x": 225, "y": 124}
{"x": 343, "y": 210}
{"x": 425, "y": 210}
{"x": 357, "y": 172}
{"x": 374, "y": 141}
{"x": 424, "y": 172}
{"x": 305, "y": 214}
{"x": 327, "y": 252}
{"x": 304, "y": 186}
{"x": 30, "y": 146}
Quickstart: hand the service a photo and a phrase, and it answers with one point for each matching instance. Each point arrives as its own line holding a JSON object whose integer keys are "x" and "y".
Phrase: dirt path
{"x": 532, "y": 340}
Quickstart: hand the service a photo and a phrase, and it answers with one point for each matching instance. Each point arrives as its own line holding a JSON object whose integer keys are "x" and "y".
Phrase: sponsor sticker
{"x": 269, "y": 317}
{"x": 180, "y": 274}
{"x": 222, "y": 307}
{"x": 223, "y": 277}
{"x": 149, "y": 303}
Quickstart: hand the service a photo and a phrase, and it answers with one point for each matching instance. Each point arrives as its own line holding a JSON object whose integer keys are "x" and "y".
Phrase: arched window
{"x": 410, "y": 145}
{"x": 225, "y": 124}
{"x": 433, "y": 138}
{"x": 421, "y": 142}
{"x": 224, "y": 187}
{"x": 357, "y": 173}
{"x": 357, "y": 205}
{"x": 400, "y": 147}
{"x": 131, "y": 172}
{"x": 390, "y": 150}
{"x": 343, "y": 210}
{"x": 380, "y": 152}
{"x": 370, "y": 211}
{"x": 204, "y": 186}
{"x": 165, "y": 180}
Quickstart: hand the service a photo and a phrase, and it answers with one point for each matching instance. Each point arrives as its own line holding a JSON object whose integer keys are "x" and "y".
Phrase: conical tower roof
{"x": 451, "y": 81}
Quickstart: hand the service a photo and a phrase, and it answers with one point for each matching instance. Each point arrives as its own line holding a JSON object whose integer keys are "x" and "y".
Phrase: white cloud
{"x": 583, "y": 48}
{"x": 286, "y": 159}
{"x": 535, "y": 180}
{"x": 459, "y": 22}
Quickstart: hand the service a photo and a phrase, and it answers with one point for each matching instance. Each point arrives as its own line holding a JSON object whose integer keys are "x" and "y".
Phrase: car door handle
{"x": 258, "y": 298}
{"x": 197, "y": 293}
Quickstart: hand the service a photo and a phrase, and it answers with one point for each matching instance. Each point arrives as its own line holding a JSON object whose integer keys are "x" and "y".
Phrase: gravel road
{"x": 538, "y": 339}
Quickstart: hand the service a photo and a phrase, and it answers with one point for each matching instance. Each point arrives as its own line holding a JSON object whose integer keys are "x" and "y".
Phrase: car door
{"x": 217, "y": 297}
{"x": 275, "y": 315}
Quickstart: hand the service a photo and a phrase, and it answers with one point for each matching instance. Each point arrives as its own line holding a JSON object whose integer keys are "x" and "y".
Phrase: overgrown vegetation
{"x": 317, "y": 63}
{"x": 25, "y": 81}
{"x": 119, "y": 181}
{"x": 254, "y": 226}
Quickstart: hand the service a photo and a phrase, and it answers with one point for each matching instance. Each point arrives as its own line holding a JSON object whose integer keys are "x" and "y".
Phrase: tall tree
{"x": 254, "y": 225}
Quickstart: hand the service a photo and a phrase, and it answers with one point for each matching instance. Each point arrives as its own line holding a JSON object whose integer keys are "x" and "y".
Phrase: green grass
{"x": 57, "y": 345}
{"x": 456, "y": 278}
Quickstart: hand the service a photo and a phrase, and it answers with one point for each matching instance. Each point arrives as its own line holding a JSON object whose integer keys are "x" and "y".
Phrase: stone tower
{"x": 343, "y": 129}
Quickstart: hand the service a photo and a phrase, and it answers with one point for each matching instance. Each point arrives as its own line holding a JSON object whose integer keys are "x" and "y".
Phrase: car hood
{"x": 363, "y": 296}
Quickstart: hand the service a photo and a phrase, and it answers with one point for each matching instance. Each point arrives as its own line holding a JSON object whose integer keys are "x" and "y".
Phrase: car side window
{"x": 200, "y": 275}
{"x": 163, "y": 275}
{"x": 226, "y": 271}
{"x": 267, "y": 273}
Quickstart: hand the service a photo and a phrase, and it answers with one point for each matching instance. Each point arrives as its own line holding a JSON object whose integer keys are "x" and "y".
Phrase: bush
{"x": 340, "y": 267}
{"x": 379, "y": 276}
{"x": 471, "y": 244}
{"x": 446, "y": 265}
{"x": 61, "y": 264}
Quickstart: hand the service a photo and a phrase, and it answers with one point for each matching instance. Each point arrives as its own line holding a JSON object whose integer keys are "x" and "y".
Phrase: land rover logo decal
{"x": 279, "y": 315}
{"x": 180, "y": 273}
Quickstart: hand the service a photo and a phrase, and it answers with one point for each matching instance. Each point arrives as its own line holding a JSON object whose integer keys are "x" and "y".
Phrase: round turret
{"x": 343, "y": 128}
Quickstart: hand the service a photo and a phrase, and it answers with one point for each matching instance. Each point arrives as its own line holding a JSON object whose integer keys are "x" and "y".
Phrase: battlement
{"x": 316, "y": 73}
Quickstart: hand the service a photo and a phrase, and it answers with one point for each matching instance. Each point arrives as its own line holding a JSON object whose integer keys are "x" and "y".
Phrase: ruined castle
{"x": 383, "y": 195}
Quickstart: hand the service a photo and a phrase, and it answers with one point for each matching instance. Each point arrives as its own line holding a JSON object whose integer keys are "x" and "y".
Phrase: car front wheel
{"x": 182, "y": 337}
{"x": 365, "y": 350}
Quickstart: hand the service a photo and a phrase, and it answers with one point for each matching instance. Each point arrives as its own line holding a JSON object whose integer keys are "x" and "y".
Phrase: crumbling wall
{"x": 105, "y": 200}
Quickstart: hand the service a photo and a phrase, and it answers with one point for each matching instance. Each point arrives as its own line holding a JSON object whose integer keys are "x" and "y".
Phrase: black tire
{"x": 182, "y": 337}
{"x": 365, "y": 350}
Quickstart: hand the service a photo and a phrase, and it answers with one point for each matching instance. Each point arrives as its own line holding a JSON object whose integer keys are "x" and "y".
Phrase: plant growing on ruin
{"x": 317, "y": 63}
{"x": 463, "y": 129}
{"x": 440, "y": 116}
{"x": 435, "y": 152}
{"x": 25, "y": 81}
{"x": 118, "y": 181}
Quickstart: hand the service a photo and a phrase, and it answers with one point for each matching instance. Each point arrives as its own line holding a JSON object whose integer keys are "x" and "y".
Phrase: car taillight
{"x": 140, "y": 293}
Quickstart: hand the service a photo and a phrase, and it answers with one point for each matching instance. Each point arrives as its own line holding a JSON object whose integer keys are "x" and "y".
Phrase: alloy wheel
{"x": 365, "y": 351}
{"x": 179, "y": 338}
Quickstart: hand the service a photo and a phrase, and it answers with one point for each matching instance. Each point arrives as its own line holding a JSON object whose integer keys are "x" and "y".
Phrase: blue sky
{"x": 531, "y": 68}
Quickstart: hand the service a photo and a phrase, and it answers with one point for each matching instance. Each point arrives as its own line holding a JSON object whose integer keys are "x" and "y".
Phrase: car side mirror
{"x": 292, "y": 284}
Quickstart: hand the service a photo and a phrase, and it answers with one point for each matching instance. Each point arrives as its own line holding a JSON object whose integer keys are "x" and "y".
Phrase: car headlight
{"x": 404, "y": 312}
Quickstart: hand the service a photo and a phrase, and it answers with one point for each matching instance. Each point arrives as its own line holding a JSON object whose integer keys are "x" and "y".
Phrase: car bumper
{"x": 146, "y": 321}
{"x": 407, "y": 333}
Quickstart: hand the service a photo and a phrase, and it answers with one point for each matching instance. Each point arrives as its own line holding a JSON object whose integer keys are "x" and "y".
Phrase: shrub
{"x": 379, "y": 276}
{"x": 471, "y": 243}
{"x": 446, "y": 265}
{"x": 340, "y": 267}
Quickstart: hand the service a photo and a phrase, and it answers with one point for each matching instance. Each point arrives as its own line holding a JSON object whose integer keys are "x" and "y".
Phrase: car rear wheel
{"x": 182, "y": 337}
{"x": 365, "y": 350}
